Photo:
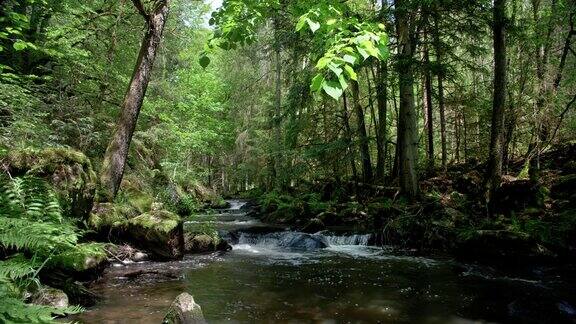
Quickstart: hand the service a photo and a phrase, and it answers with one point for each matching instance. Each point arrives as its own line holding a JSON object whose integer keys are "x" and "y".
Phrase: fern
{"x": 31, "y": 221}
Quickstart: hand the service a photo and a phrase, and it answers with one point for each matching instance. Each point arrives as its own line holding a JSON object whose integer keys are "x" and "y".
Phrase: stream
{"x": 276, "y": 276}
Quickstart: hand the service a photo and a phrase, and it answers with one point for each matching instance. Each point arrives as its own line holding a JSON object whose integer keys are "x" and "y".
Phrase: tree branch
{"x": 140, "y": 7}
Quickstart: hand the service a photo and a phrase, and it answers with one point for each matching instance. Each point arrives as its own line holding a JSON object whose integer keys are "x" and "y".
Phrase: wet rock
{"x": 47, "y": 296}
{"x": 184, "y": 310}
{"x": 289, "y": 240}
{"x": 313, "y": 226}
{"x": 303, "y": 241}
{"x": 198, "y": 243}
{"x": 159, "y": 232}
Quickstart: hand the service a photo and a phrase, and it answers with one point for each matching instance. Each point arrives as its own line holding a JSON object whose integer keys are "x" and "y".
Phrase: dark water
{"x": 262, "y": 281}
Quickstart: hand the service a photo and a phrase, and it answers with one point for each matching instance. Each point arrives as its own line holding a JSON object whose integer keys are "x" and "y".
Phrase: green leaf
{"x": 362, "y": 52}
{"x": 369, "y": 47}
{"x": 314, "y": 26}
{"x": 204, "y": 61}
{"x": 351, "y": 73}
{"x": 334, "y": 67}
{"x": 323, "y": 62}
{"x": 331, "y": 22}
{"x": 350, "y": 59}
{"x": 333, "y": 89}
{"x": 317, "y": 82}
{"x": 301, "y": 23}
{"x": 20, "y": 45}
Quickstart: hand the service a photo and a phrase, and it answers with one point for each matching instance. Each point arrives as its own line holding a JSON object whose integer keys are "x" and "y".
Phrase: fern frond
{"x": 17, "y": 267}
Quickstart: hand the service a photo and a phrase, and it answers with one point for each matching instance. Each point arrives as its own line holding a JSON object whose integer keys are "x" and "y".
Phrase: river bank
{"x": 278, "y": 275}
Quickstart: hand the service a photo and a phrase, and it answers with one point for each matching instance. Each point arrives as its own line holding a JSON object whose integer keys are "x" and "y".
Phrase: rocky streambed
{"x": 275, "y": 275}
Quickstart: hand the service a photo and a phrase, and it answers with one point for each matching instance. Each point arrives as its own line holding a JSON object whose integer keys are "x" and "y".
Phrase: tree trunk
{"x": 361, "y": 124}
{"x": 429, "y": 113}
{"x": 438, "y": 49}
{"x": 117, "y": 151}
{"x": 407, "y": 131}
{"x": 382, "y": 103}
{"x": 494, "y": 170}
{"x": 277, "y": 117}
{"x": 350, "y": 149}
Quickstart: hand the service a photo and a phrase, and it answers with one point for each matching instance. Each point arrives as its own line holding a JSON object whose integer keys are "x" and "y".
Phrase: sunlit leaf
{"x": 333, "y": 89}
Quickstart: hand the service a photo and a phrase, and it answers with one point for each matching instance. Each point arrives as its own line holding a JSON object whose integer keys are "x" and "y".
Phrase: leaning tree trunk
{"x": 494, "y": 170}
{"x": 407, "y": 131}
{"x": 364, "y": 148}
{"x": 117, "y": 151}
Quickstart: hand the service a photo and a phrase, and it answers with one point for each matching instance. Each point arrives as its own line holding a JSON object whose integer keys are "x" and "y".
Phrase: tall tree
{"x": 494, "y": 170}
{"x": 363, "y": 137}
{"x": 429, "y": 110}
{"x": 407, "y": 130}
{"x": 117, "y": 151}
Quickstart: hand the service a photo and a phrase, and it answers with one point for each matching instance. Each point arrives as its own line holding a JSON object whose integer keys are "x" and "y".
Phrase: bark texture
{"x": 117, "y": 151}
{"x": 407, "y": 131}
{"x": 494, "y": 170}
{"x": 364, "y": 148}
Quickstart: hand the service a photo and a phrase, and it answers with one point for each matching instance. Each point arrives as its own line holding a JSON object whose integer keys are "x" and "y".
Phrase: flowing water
{"x": 276, "y": 276}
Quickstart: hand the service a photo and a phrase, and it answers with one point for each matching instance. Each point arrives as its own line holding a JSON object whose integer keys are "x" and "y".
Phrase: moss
{"x": 70, "y": 173}
{"x": 158, "y": 220}
{"x": 84, "y": 256}
{"x": 110, "y": 215}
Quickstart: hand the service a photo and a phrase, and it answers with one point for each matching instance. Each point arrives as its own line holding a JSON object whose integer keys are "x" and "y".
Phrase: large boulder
{"x": 159, "y": 232}
{"x": 184, "y": 310}
{"x": 68, "y": 171}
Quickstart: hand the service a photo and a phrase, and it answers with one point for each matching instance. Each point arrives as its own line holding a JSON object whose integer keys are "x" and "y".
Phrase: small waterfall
{"x": 355, "y": 239}
{"x": 297, "y": 240}
{"x": 292, "y": 240}
{"x": 236, "y": 204}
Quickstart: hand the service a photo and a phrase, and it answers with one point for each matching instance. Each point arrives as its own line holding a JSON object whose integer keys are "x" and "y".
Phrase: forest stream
{"x": 274, "y": 275}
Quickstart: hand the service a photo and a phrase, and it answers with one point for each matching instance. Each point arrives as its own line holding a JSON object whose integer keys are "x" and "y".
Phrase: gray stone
{"x": 184, "y": 310}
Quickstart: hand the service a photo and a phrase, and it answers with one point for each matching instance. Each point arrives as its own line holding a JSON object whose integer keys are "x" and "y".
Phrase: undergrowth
{"x": 33, "y": 233}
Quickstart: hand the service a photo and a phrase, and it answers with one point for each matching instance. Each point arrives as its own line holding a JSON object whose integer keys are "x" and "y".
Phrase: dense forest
{"x": 437, "y": 126}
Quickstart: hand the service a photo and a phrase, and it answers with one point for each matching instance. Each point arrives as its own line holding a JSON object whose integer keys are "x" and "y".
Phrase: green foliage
{"x": 349, "y": 42}
{"x": 31, "y": 222}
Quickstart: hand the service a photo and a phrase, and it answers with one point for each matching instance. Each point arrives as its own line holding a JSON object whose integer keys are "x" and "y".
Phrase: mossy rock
{"x": 83, "y": 257}
{"x": 108, "y": 216}
{"x": 199, "y": 243}
{"x": 159, "y": 232}
{"x": 68, "y": 171}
